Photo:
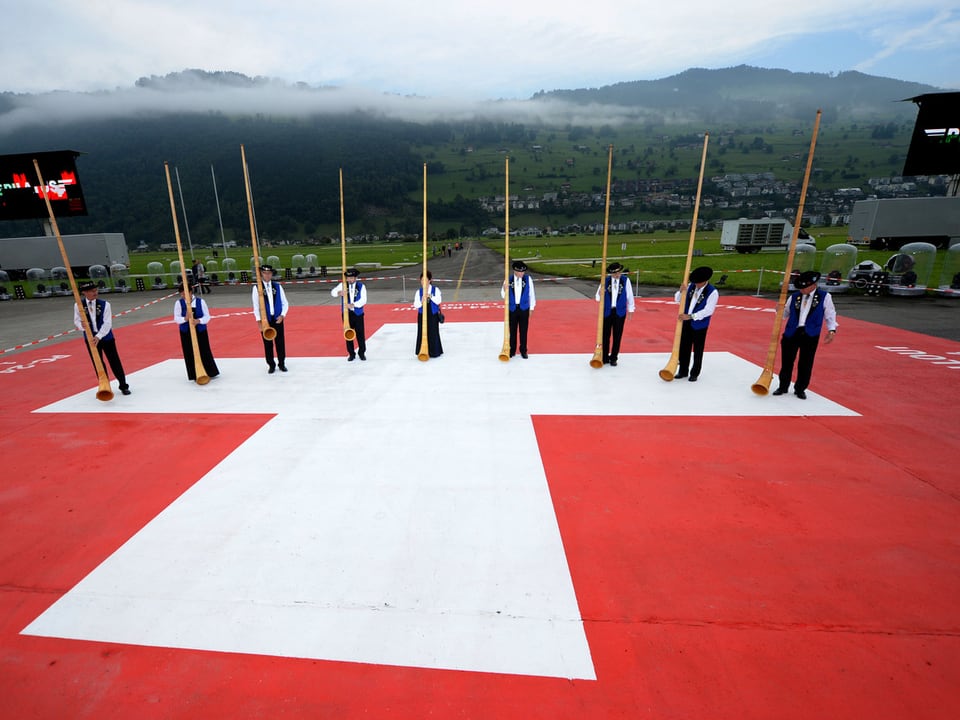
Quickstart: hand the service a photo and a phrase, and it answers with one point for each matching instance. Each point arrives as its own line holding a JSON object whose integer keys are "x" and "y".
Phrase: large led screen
{"x": 22, "y": 197}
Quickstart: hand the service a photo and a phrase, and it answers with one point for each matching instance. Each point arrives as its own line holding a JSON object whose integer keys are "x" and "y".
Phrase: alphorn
{"x": 424, "y": 353}
{"x": 268, "y": 332}
{"x": 597, "y": 360}
{"x": 348, "y": 332}
{"x": 199, "y": 371}
{"x": 673, "y": 363}
{"x": 505, "y": 350}
{"x": 762, "y": 385}
{"x": 104, "y": 393}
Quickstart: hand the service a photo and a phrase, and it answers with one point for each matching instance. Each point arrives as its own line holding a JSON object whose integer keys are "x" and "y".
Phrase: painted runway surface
{"x": 471, "y": 538}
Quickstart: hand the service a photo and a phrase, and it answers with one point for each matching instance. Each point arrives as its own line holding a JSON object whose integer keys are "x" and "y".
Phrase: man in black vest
{"x": 523, "y": 299}
{"x": 355, "y": 296}
{"x": 100, "y": 317}
{"x": 276, "y": 306}
{"x": 809, "y": 309}
{"x": 700, "y": 302}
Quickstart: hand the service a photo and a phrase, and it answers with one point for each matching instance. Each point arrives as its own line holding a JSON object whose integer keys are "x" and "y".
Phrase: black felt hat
{"x": 701, "y": 274}
{"x": 806, "y": 279}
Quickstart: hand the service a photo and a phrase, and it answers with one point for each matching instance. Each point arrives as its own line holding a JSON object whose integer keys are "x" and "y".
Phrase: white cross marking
{"x": 392, "y": 512}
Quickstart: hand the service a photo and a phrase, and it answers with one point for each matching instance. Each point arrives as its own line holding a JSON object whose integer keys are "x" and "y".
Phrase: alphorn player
{"x": 201, "y": 316}
{"x": 434, "y": 313}
{"x": 356, "y": 298}
{"x": 523, "y": 299}
{"x": 101, "y": 324}
{"x": 617, "y": 298}
{"x": 275, "y": 302}
{"x": 810, "y": 310}
{"x": 698, "y": 307}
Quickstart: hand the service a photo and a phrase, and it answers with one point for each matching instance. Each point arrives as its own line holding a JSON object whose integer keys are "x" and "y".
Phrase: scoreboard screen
{"x": 22, "y": 196}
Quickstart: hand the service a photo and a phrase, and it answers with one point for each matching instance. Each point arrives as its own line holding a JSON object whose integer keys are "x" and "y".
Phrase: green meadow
{"x": 652, "y": 259}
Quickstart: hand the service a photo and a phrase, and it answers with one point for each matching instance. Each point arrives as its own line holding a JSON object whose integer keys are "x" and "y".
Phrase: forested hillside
{"x": 759, "y": 121}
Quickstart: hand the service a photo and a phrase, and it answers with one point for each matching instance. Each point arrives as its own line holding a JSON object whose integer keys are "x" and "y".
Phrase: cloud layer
{"x": 496, "y": 49}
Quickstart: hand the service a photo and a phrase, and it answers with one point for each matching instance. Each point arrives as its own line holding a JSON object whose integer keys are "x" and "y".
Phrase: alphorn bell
{"x": 423, "y": 353}
{"x": 762, "y": 385}
{"x": 670, "y": 370}
{"x": 269, "y": 333}
{"x": 348, "y": 332}
{"x": 200, "y": 373}
{"x": 505, "y": 350}
{"x": 597, "y": 360}
{"x": 104, "y": 392}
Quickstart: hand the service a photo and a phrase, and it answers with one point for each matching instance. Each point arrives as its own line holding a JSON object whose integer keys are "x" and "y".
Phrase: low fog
{"x": 191, "y": 93}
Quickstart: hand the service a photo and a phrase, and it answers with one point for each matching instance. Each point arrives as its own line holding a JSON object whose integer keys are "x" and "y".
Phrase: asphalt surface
{"x": 469, "y": 275}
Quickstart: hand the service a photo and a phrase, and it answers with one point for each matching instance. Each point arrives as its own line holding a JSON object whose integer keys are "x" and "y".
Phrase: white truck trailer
{"x": 752, "y": 236}
{"x": 889, "y": 224}
{"x": 17, "y": 255}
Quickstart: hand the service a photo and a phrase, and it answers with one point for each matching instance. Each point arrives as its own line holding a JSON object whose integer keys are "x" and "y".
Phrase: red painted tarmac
{"x": 725, "y": 567}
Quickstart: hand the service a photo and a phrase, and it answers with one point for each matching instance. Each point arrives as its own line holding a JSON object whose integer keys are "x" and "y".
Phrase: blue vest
{"x": 101, "y": 306}
{"x": 277, "y": 304}
{"x": 433, "y": 307}
{"x": 356, "y": 296}
{"x": 524, "y": 293}
{"x": 701, "y": 304}
{"x": 814, "y": 321}
{"x": 198, "y": 313}
{"x": 621, "y": 301}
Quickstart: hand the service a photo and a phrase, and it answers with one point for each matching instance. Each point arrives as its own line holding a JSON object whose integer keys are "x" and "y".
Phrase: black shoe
{"x": 271, "y": 370}
{"x": 613, "y": 363}
{"x": 351, "y": 358}
{"x": 680, "y": 376}
{"x": 780, "y": 391}
{"x": 523, "y": 355}
{"x": 692, "y": 378}
{"x": 800, "y": 394}
{"x": 125, "y": 391}
{"x": 362, "y": 356}
{"x": 283, "y": 368}
{"x": 606, "y": 361}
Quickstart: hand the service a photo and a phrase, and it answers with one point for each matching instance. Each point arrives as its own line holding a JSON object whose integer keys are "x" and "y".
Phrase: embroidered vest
{"x": 524, "y": 294}
{"x": 814, "y": 321}
{"x": 620, "y": 302}
{"x": 433, "y": 307}
{"x": 98, "y": 321}
{"x": 701, "y": 304}
{"x": 354, "y": 295}
{"x": 198, "y": 313}
{"x": 277, "y": 303}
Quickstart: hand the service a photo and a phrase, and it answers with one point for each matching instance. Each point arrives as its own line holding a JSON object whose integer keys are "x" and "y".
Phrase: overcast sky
{"x": 471, "y": 50}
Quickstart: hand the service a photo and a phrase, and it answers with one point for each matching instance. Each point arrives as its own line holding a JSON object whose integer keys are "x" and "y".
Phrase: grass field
{"x": 653, "y": 259}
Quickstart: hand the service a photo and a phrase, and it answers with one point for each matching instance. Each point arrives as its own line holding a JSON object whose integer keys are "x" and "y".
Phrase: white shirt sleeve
{"x": 829, "y": 312}
{"x": 256, "y": 302}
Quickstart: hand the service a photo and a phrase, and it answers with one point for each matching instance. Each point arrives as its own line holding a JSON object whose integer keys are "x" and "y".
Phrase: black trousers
{"x": 108, "y": 348}
{"x": 694, "y": 340}
{"x": 206, "y": 354}
{"x": 612, "y": 328}
{"x": 356, "y": 322}
{"x": 278, "y": 342}
{"x": 434, "y": 346}
{"x": 790, "y": 347}
{"x": 519, "y": 323}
